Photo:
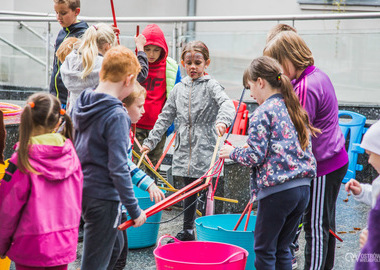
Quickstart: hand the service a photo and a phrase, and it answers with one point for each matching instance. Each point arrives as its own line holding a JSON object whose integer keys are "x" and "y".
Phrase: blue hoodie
{"x": 102, "y": 140}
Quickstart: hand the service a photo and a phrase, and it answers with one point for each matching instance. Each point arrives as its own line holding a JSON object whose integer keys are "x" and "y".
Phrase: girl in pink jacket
{"x": 41, "y": 192}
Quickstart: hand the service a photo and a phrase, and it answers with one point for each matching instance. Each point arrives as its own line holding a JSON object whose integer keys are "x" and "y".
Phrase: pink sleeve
{"x": 13, "y": 196}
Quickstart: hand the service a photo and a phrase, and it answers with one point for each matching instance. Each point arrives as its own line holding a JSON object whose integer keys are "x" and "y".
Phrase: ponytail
{"x": 42, "y": 112}
{"x": 298, "y": 115}
{"x": 88, "y": 51}
{"x": 68, "y": 128}
{"x": 25, "y": 130}
{"x": 269, "y": 69}
{"x": 93, "y": 40}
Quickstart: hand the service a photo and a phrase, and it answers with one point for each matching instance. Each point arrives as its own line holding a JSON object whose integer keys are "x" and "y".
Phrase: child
{"x": 81, "y": 67}
{"x": 203, "y": 111}
{"x": 39, "y": 221}
{"x": 134, "y": 104}
{"x": 317, "y": 95}
{"x": 163, "y": 74}
{"x": 371, "y": 238}
{"x": 67, "y": 12}
{"x": 279, "y": 153}
{"x": 66, "y": 48}
{"x": 101, "y": 141}
{"x": 278, "y": 29}
{"x": 366, "y": 193}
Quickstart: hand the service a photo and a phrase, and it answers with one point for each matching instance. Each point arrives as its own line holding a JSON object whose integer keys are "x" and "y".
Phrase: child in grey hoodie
{"x": 80, "y": 70}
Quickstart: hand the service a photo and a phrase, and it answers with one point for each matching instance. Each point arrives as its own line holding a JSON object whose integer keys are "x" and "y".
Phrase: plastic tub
{"x": 145, "y": 235}
{"x": 199, "y": 255}
{"x": 219, "y": 228}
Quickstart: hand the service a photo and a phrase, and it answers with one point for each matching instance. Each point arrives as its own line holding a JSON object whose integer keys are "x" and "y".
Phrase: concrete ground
{"x": 349, "y": 215}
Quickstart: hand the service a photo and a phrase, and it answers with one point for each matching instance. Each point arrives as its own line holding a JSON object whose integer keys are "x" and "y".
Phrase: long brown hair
{"x": 43, "y": 110}
{"x": 289, "y": 45}
{"x": 270, "y": 70}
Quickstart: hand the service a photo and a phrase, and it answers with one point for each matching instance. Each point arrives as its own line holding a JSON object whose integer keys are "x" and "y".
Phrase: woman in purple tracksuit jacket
{"x": 317, "y": 96}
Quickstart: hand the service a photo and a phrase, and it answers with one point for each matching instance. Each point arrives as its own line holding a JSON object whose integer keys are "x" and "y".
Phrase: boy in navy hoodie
{"x": 100, "y": 122}
{"x": 66, "y": 12}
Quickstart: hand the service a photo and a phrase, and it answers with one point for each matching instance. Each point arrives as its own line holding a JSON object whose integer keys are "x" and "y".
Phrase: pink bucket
{"x": 199, "y": 255}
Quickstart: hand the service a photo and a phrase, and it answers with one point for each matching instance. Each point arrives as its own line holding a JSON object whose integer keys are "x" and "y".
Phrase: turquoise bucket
{"x": 145, "y": 235}
{"x": 219, "y": 228}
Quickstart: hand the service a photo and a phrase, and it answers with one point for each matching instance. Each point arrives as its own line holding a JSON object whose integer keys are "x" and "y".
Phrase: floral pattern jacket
{"x": 274, "y": 152}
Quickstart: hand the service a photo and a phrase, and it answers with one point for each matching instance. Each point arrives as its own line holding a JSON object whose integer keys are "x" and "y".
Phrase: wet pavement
{"x": 349, "y": 215}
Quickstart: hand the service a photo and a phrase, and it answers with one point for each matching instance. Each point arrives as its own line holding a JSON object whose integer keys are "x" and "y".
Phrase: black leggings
{"x": 189, "y": 215}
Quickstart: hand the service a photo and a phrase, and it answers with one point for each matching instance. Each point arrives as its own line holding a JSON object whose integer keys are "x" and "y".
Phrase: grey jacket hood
{"x": 71, "y": 71}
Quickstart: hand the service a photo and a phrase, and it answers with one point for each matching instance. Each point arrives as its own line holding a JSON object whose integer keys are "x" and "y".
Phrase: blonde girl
{"x": 81, "y": 67}
{"x": 45, "y": 173}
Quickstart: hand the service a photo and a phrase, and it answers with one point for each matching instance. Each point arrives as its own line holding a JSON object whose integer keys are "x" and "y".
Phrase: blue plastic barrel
{"x": 145, "y": 235}
{"x": 219, "y": 228}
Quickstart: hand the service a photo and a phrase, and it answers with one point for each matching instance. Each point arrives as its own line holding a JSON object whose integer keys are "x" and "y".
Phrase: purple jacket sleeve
{"x": 13, "y": 196}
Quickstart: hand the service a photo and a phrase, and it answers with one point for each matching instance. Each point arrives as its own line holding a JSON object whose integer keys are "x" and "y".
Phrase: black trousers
{"x": 189, "y": 215}
{"x": 103, "y": 242}
{"x": 122, "y": 261}
{"x": 277, "y": 222}
{"x": 319, "y": 218}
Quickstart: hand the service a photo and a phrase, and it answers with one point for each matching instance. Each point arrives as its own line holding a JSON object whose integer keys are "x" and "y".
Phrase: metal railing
{"x": 48, "y": 18}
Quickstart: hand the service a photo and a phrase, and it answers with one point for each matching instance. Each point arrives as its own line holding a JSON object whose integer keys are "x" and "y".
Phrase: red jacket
{"x": 155, "y": 84}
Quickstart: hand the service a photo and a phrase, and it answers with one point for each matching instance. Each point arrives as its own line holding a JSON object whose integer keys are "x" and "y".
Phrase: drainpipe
{"x": 191, "y": 11}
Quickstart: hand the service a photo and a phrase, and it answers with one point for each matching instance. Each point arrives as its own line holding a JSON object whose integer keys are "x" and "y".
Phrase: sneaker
{"x": 183, "y": 236}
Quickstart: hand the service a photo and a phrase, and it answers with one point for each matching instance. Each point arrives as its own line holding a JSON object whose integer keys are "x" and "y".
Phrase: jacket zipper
{"x": 188, "y": 166}
{"x": 56, "y": 75}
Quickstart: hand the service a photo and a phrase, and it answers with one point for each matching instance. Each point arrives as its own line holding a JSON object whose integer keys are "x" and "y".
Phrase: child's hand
{"x": 115, "y": 30}
{"x": 225, "y": 151}
{"x": 140, "y": 41}
{"x": 221, "y": 129}
{"x": 145, "y": 148}
{"x": 363, "y": 238}
{"x": 140, "y": 220}
{"x": 155, "y": 193}
{"x": 353, "y": 186}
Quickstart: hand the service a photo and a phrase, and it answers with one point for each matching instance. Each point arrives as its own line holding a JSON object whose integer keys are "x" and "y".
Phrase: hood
{"x": 76, "y": 27}
{"x": 91, "y": 106}
{"x": 71, "y": 72}
{"x": 371, "y": 140}
{"x": 189, "y": 82}
{"x": 155, "y": 36}
{"x": 56, "y": 163}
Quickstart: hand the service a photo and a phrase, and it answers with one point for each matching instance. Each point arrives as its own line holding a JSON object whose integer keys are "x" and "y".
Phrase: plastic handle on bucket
{"x": 229, "y": 259}
{"x": 167, "y": 236}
